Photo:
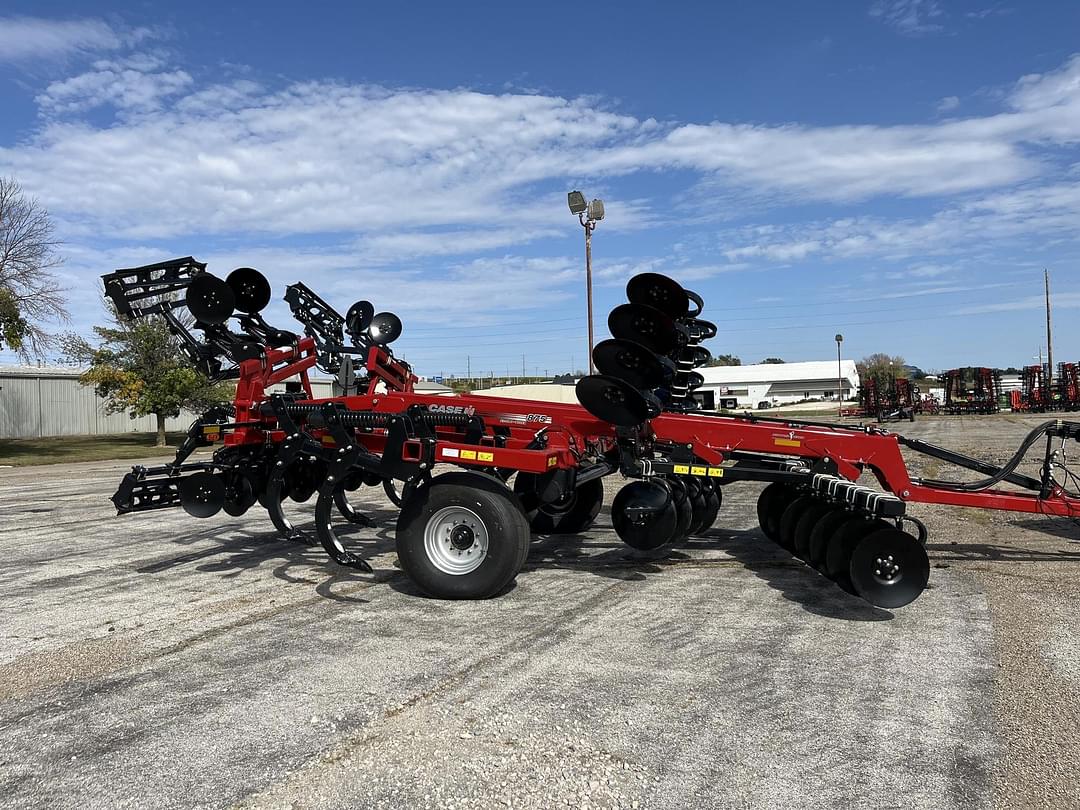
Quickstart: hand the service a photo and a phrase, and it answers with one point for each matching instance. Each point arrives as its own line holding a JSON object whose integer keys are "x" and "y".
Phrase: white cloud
{"x": 948, "y": 104}
{"x": 909, "y": 17}
{"x": 133, "y": 84}
{"x": 27, "y": 38}
{"x": 317, "y": 157}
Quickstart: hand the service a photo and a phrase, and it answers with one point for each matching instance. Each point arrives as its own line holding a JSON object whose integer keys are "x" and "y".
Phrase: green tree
{"x": 13, "y": 326}
{"x": 881, "y": 364}
{"x": 29, "y": 293}
{"x": 772, "y": 361}
{"x": 140, "y": 368}
{"x": 725, "y": 360}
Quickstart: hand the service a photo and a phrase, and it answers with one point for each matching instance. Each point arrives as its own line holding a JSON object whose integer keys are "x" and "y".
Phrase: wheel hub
{"x": 456, "y": 540}
{"x": 886, "y": 569}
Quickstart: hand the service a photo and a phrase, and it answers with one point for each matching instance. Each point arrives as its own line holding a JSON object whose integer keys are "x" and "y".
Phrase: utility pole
{"x": 1049, "y": 340}
{"x": 839, "y": 376}
{"x": 523, "y": 367}
{"x": 468, "y": 366}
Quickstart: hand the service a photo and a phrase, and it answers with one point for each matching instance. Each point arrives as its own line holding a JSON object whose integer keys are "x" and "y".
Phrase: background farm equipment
{"x": 465, "y": 533}
{"x": 886, "y": 398}
{"x": 1068, "y": 382}
{"x": 972, "y": 390}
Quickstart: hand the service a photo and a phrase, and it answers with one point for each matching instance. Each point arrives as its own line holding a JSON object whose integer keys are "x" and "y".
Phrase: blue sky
{"x": 897, "y": 170}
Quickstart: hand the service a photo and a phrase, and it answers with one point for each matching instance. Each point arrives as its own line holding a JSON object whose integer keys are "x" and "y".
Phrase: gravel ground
{"x": 157, "y": 661}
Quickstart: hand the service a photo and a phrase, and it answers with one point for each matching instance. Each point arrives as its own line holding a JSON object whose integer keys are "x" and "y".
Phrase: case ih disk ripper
{"x": 465, "y": 533}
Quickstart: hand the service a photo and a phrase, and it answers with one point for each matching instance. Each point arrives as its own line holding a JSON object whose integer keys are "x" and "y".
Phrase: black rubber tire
{"x": 805, "y": 527}
{"x": 788, "y": 520}
{"x": 503, "y": 519}
{"x": 573, "y": 515}
{"x": 841, "y": 546}
{"x": 771, "y": 504}
{"x": 822, "y": 531}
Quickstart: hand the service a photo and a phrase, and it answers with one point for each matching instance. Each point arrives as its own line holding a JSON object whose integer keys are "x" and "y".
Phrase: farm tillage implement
{"x": 464, "y": 532}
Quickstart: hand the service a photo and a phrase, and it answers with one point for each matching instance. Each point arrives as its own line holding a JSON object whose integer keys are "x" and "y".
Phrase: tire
{"x": 571, "y": 515}
{"x": 443, "y": 523}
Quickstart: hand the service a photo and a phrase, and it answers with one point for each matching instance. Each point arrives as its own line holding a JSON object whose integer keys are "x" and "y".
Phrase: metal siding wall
{"x": 59, "y": 406}
{"x": 18, "y": 407}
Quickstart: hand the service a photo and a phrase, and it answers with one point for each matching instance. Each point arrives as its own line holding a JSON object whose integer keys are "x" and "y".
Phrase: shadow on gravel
{"x": 1056, "y": 526}
{"x": 796, "y": 582}
{"x": 990, "y": 552}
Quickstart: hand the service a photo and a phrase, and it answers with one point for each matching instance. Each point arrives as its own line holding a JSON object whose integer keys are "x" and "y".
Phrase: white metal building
{"x": 780, "y": 383}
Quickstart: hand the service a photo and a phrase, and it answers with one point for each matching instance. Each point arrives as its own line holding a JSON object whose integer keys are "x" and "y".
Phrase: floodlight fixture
{"x": 576, "y": 201}
{"x": 596, "y": 210}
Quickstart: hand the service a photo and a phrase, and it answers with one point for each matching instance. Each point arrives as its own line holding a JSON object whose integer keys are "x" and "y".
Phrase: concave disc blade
{"x": 359, "y": 316}
{"x": 645, "y": 325}
{"x": 644, "y": 515}
{"x": 239, "y": 493}
{"x": 202, "y": 495}
{"x": 612, "y": 400}
{"x": 889, "y": 568}
{"x": 385, "y": 328}
{"x": 629, "y": 361}
{"x": 696, "y": 304}
{"x": 209, "y": 299}
{"x": 250, "y": 289}
{"x": 659, "y": 291}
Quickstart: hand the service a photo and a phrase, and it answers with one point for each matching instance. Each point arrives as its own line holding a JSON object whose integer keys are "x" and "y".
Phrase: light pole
{"x": 588, "y": 215}
{"x": 839, "y": 376}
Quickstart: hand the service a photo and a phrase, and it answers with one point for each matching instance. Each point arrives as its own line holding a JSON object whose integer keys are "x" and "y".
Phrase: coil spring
{"x": 374, "y": 419}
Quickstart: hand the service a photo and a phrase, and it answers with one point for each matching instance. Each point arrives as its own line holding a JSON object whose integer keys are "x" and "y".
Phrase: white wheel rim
{"x": 456, "y": 540}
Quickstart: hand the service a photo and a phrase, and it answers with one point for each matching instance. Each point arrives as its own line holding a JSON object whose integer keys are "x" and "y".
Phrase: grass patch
{"x": 61, "y": 449}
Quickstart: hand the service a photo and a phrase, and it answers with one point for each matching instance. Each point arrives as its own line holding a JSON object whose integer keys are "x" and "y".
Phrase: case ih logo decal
{"x": 463, "y": 410}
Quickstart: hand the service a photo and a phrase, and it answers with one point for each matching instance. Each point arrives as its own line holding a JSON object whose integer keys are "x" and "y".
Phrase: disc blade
{"x": 359, "y": 316}
{"x": 209, "y": 299}
{"x": 644, "y": 515}
{"x": 645, "y": 325}
{"x": 250, "y": 289}
{"x": 612, "y": 400}
{"x": 696, "y": 304}
{"x": 659, "y": 291}
{"x": 202, "y": 495}
{"x": 631, "y": 362}
{"x": 385, "y": 328}
{"x": 889, "y": 568}
{"x": 239, "y": 493}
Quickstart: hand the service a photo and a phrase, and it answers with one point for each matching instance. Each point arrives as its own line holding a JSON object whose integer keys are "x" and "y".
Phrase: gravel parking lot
{"x": 157, "y": 661}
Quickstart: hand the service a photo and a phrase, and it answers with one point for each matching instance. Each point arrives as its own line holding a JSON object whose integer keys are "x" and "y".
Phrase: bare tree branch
{"x": 28, "y": 254}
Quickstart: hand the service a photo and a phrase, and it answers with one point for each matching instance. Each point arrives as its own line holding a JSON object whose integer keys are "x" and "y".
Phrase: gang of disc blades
{"x": 659, "y": 291}
{"x": 202, "y": 495}
{"x": 631, "y": 362}
{"x": 359, "y": 316}
{"x": 643, "y": 514}
{"x": 612, "y": 400}
{"x": 250, "y": 289}
{"x": 385, "y": 328}
{"x": 209, "y": 299}
{"x": 645, "y": 325}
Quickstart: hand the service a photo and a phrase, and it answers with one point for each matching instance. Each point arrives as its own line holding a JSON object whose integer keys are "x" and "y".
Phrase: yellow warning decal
{"x": 327, "y": 440}
{"x": 481, "y": 456}
{"x": 697, "y": 470}
{"x": 552, "y": 461}
{"x": 716, "y": 472}
{"x": 682, "y": 469}
{"x": 787, "y": 442}
{"x": 468, "y": 454}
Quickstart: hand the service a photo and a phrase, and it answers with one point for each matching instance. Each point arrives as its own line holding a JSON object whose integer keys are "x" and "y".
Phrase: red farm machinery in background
{"x": 475, "y": 476}
{"x": 972, "y": 390}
